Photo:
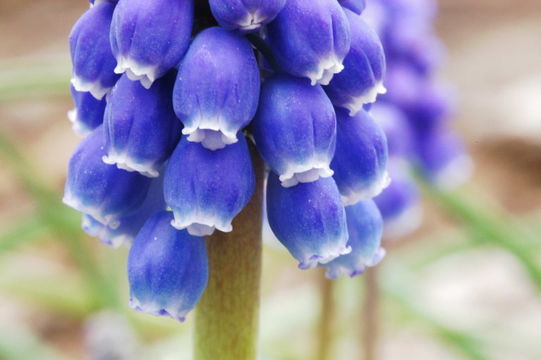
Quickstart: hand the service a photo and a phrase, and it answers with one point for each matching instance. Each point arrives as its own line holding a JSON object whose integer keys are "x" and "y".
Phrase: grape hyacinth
{"x": 172, "y": 112}
{"x": 415, "y": 112}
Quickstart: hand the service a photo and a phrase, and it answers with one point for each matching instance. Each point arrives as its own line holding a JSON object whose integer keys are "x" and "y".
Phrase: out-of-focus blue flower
{"x": 443, "y": 159}
{"x": 87, "y": 113}
{"x": 310, "y": 39}
{"x": 308, "y": 219}
{"x": 141, "y": 129}
{"x": 400, "y": 203}
{"x": 217, "y": 88}
{"x": 100, "y": 190}
{"x": 400, "y": 137}
{"x": 365, "y": 227}
{"x": 295, "y": 129}
{"x": 206, "y": 189}
{"x": 360, "y": 162}
{"x": 91, "y": 56}
{"x": 149, "y": 38}
{"x": 364, "y": 69}
{"x": 431, "y": 110}
{"x": 357, "y": 6}
{"x": 245, "y": 15}
{"x": 167, "y": 269}
{"x": 128, "y": 226}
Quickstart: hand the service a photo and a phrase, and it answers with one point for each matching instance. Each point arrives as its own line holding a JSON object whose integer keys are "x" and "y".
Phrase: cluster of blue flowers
{"x": 166, "y": 107}
{"x": 415, "y": 112}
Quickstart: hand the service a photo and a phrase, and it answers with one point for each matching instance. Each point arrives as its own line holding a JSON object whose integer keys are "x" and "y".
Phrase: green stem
{"x": 227, "y": 316}
{"x": 326, "y": 318}
{"x": 371, "y": 312}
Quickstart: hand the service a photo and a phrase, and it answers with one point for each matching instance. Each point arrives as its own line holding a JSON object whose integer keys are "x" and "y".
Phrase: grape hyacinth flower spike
{"x": 310, "y": 39}
{"x": 361, "y": 81}
{"x": 167, "y": 269}
{"x": 100, "y": 190}
{"x": 360, "y": 162}
{"x": 245, "y": 15}
{"x": 87, "y": 113}
{"x": 91, "y": 56}
{"x": 217, "y": 88}
{"x": 149, "y": 38}
{"x": 365, "y": 227}
{"x": 308, "y": 219}
{"x": 295, "y": 129}
{"x": 141, "y": 129}
{"x": 206, "y": 189}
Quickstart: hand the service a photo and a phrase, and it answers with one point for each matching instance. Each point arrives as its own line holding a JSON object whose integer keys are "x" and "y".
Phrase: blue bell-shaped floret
{"x": 217, "y": 88}
{"x": 364, "y": 69}
{"x": 91, "y": 55}
{"x": 308, "y": 219}
{"x": 365, "y": 227}
{"x": 167, "y": 269}
{"x": 206, "y": 189}
{"x": 149, "y": 38}
{"x": 100, "y": 190}
{"x": 141, "y": 129}
{"x": 295, "y": 129}
{"x": 310, "y": 39}
{"x": 360, "y": 162}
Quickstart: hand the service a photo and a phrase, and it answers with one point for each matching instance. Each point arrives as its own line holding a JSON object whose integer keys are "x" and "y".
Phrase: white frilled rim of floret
{"x": 305, "y": 173}
{"x": 366, "y": 193}
{"x": 145, "y": 74}
{"x": 337, "y": 271}
{"x": 74, "y": 202}
{"x": 356, "y": 103}
{"x": 105, "y": 234}
{"x": 126, "y": 162}
{"x": 325, "y": 71}
{"x": 325, "y": 255}
{"x": 211, "y": 132}
{"x": 173, "y": 310}
{"x": 93, "y": 87}
{"x": 199, "y": 224}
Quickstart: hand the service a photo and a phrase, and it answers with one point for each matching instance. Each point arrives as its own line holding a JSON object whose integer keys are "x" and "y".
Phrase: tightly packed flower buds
{"x": 171, "y": 111}
{"x": 416, "y": 110}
